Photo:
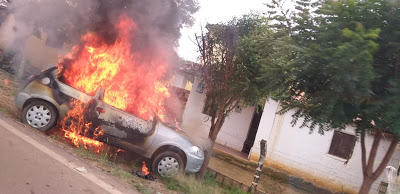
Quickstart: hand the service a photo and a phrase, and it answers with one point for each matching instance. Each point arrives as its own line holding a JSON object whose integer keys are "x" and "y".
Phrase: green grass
{"x": 55, "y": 137}
{"x": 14, "y": 92}
{"x": 192, "y": 185}
{"x": 209, "y": 179}
{"x": 117, "y": 171}
{"x": 181, "y": 183}
{"x": 139, "y": 187}
{"x": 4, "y": 110}
{"x": 170, "y": 183}
{"x": 235, "y": 191}
{"x": 146, "y": 190}
{"x": 104, "y": 159}
{"x": 108, "y": 162}
{"x": 84, "y": 153}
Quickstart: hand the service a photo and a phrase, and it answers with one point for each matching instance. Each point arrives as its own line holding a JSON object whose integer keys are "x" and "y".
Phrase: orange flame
{"x": 77, "y": 128}
{"x": 131, "y": 80}
{"x": 145, "y": 170}
{"x": 6, "y": 82}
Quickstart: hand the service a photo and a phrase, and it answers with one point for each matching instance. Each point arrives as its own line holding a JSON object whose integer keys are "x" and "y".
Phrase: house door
{"x": 251, "y": 135}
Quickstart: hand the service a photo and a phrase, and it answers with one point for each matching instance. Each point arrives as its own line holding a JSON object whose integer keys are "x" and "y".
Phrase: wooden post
{"x": 263, "y": 153}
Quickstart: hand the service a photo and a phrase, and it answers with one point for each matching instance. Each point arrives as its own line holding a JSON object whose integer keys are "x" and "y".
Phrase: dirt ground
{"x": 8, "y": 91}
{"x": 246, "y": 176}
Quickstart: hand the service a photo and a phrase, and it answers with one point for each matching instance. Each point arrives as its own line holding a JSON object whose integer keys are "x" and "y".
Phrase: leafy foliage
{"x": 232, "y": 62}
{"x": 343, "y": 65}
{"x": 232, "y": 56}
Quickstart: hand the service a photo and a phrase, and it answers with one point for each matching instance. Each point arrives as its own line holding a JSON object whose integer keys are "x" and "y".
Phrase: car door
{"x": 121, "y": 128}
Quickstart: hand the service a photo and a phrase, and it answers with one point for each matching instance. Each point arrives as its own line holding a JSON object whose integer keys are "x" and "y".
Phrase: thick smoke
{"x": 65, "y": 21}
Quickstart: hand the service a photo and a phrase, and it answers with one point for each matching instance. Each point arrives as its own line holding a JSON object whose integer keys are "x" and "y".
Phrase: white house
{"x": 290, "y": 149}
{"x": 234, "y": 131}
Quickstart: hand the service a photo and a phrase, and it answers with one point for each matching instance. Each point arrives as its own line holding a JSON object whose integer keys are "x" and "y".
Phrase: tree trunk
{"x": 366, "y": 185}
{"x": 369, "y": 175}
{"x": 214, "y": 130}
{"x": 207, "y": 158}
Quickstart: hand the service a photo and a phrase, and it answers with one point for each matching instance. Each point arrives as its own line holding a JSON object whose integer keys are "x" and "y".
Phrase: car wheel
{"x": 40, "y": 115}
{"x": 167, "y": 164}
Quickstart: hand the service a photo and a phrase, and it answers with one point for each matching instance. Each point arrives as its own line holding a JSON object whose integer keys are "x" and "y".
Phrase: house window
{"x": 342, "y": 145}
{"x": 200, "y": 88}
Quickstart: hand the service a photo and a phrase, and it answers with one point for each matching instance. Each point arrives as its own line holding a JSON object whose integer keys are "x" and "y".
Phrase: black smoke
{"x": 65, "y": 21}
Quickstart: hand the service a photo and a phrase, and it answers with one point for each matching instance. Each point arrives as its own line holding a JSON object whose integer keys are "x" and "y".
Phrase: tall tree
{"x": 343, "y": 69}
{"x": 231, "y": 64}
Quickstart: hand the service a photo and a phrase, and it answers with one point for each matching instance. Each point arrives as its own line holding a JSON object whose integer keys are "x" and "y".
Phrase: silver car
{"x": 44, "y": 100}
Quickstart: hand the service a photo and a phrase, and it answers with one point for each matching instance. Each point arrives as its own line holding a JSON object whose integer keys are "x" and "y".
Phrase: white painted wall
{"x": 296, "y": 148}
{"x": 7, "y": 34}
{"x": 181, "y": 81}
{"x": 178, "y": 80}
{"x": 234, "y": 131}
{"x": 35, "y": 50}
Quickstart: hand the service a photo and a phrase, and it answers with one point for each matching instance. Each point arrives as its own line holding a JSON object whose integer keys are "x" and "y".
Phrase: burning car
{"x": 45, "y": 100}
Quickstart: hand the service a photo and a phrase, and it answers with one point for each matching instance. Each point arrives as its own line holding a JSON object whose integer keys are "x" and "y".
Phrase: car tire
{"x": 40, "y": 115}
{"x": 167, "y": 164}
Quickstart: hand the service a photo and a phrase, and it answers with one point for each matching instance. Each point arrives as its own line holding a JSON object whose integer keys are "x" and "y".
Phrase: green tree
{"x": 342, "y": 69}
{"x": 230, "y": 66}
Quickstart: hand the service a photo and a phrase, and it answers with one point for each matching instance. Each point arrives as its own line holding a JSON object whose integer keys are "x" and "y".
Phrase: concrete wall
{"x": 233, "y": 132}
{"x": 306, "y": 155}
{"x": 181, "y": 81}
{"x": 36, "y": 52}
{"x": 7, "y": 33}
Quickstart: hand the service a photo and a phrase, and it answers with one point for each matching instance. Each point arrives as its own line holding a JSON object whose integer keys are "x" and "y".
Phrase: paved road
{"x": 29, "y": 163}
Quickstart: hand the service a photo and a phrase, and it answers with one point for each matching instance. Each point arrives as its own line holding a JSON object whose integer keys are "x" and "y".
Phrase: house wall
{"x": 181, "y": 81}
{"x": 178, "y": 80}
{"x": 306, "y": 155}
{"x": 234, "y": 131}
{"x": 36, "y": 52}
{"x": 7, "y": 33}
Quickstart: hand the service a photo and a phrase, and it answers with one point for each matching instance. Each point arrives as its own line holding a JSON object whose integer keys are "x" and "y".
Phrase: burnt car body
{"x": 44, "y": 100}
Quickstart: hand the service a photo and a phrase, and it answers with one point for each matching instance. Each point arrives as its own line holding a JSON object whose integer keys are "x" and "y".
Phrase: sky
{"x": 214, "y": 11}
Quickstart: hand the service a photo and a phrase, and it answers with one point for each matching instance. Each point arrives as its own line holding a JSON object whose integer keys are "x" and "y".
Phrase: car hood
{"x": 176, "y": 130}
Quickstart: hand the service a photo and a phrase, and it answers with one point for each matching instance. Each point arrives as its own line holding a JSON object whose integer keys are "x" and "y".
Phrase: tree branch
{"x": 232, "y": 107}
{"x": 386, "y": 159}
{"x": 372, "y": 153}
{"x": 234, "y": 97}
{"x": 363, "y": 154}
{"x": 234, "y": 66}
